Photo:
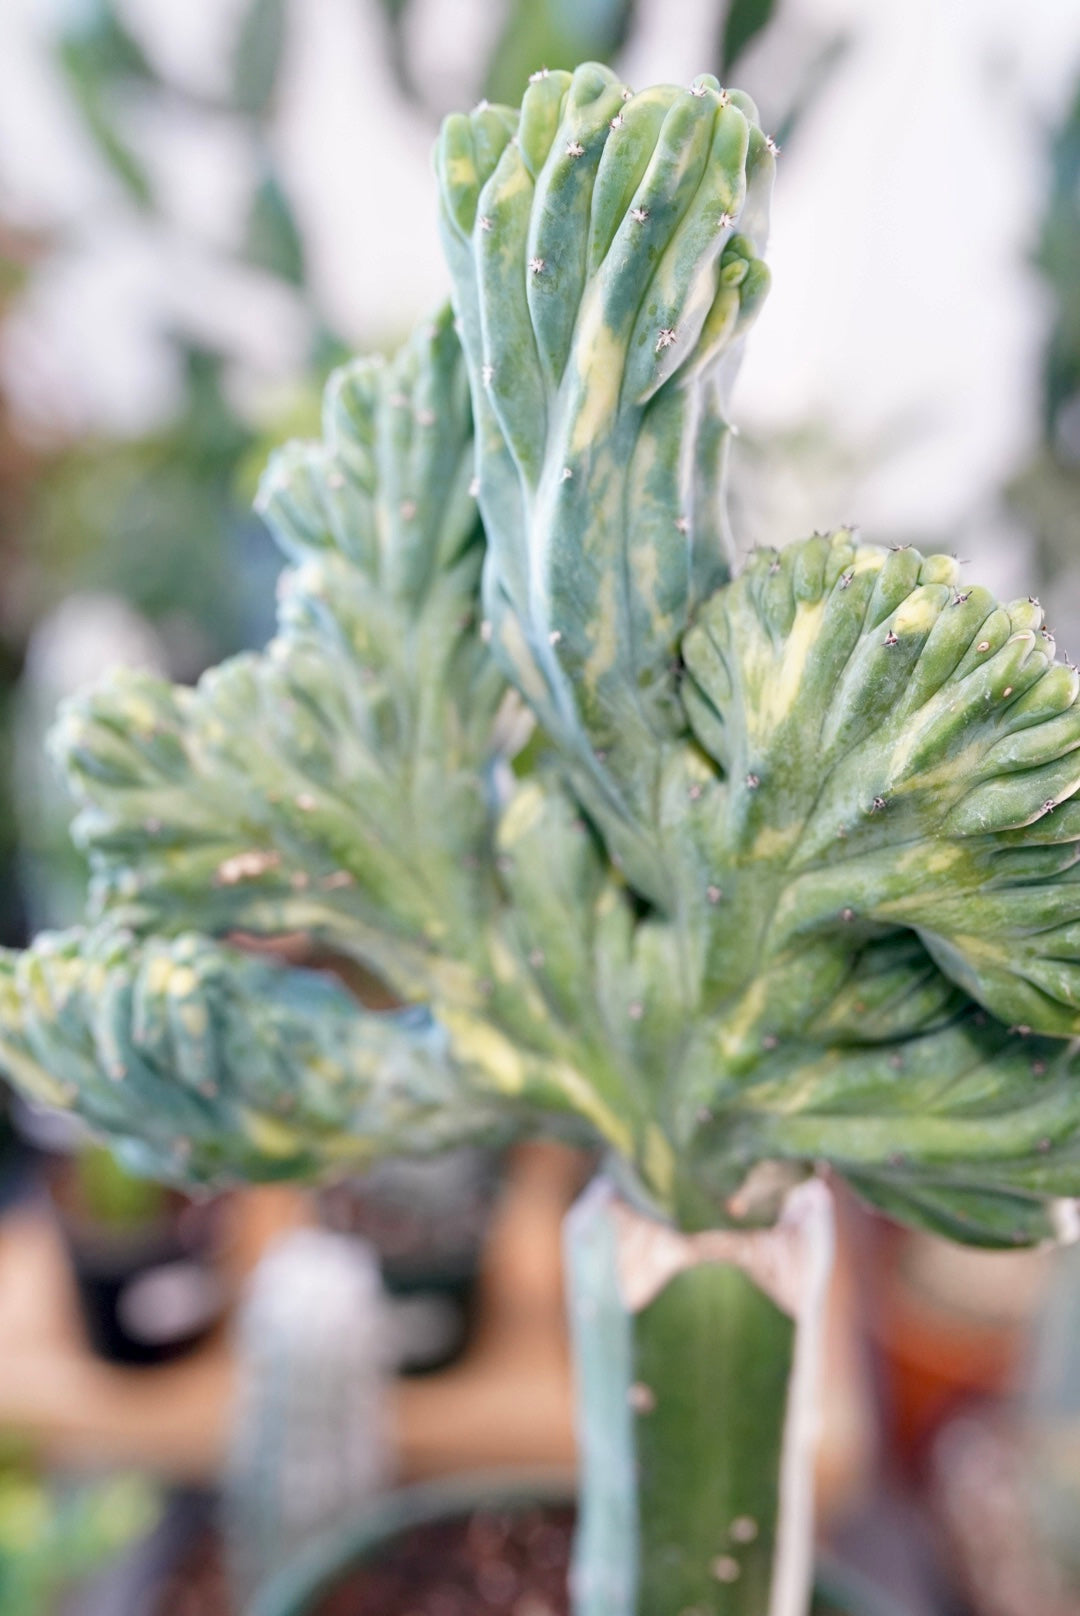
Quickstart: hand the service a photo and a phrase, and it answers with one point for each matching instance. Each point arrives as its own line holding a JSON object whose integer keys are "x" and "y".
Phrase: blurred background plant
{"x": 51, "y": 1535}
{"x": 1045, "y": 495}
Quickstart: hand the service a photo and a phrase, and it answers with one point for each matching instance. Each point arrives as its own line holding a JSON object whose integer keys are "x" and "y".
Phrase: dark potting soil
{"x": 489, "y": 1563}
{"x": 196, "y": 1585}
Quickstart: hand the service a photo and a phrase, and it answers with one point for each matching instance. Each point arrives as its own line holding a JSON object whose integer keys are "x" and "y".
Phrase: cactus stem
{"x": 675, "y": 1449}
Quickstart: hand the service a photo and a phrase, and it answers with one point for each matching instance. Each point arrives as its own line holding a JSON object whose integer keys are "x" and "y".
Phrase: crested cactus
{"x": 783, "y": 875}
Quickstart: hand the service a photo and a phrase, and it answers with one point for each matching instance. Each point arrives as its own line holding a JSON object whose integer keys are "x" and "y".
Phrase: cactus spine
{"x": 785, "y": 873}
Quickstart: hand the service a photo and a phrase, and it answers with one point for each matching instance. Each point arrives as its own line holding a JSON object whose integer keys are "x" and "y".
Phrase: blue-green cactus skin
{"x": 605, "y": 261}
{"x": 210, "y": 1064}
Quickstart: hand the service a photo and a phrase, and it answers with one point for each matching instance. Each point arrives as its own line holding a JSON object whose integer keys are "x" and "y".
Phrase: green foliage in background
{"x": 1046, "y": 494}
{"x": 54, "y": 1534}
{"x": 111, "y": 1196}
{"x": 154, "y": 518}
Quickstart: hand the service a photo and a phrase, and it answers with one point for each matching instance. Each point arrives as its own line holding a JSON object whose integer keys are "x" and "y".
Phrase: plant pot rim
{"x": 294, "y": 1589}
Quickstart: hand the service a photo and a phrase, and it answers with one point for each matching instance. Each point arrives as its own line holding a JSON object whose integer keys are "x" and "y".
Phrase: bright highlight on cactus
{"x": 785, "y": 873}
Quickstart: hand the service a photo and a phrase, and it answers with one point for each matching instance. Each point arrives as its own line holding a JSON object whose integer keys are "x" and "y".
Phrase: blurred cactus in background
{"x": 309, "y": 1447}
{"x": 732, "y": 872}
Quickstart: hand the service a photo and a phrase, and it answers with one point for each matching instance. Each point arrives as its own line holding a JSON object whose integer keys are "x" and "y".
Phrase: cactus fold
{"x": 208, "y": 1063}
{"x": 605, "y": 256}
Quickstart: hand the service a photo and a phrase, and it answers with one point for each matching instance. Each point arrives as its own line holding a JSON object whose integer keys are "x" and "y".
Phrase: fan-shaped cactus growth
{"x": 785, "y": 873}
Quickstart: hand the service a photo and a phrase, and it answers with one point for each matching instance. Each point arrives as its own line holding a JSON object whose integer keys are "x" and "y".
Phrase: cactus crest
{"x": 734, "y": 870}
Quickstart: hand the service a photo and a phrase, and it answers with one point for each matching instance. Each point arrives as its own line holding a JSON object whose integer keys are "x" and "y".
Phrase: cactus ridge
{"x": 189, "y": 1051}
{"x": 605, "y": 264}
{"x": 291, "y": 790}
{"x": 898, "y": 751}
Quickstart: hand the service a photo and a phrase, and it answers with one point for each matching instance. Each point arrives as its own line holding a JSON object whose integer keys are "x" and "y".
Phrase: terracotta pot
{"x": 948, "y": 1325}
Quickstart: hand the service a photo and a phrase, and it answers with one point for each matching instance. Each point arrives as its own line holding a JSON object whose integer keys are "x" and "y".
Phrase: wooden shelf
{"x": 507, "y": 1403}
{"x": 81, "y": 1411}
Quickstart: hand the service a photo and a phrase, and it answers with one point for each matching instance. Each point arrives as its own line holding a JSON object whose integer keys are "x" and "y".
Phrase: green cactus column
{"x": 697, "y": 1378}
